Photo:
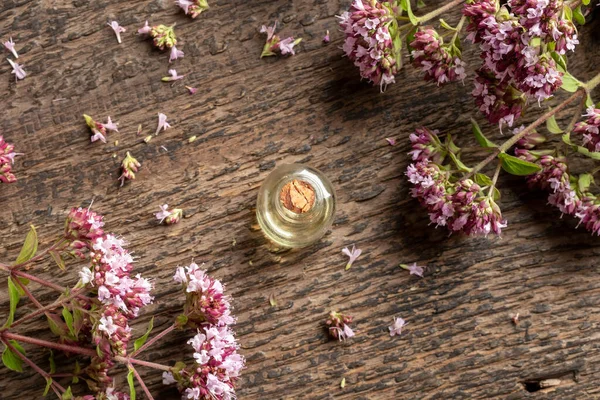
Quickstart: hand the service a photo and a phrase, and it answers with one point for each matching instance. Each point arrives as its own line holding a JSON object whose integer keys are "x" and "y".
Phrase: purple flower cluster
{"x": 368, "y": 42}
{"x": 456, "y": 203}
{"x": 339, "y": 325}
{"x": 590, "y": 129}
{"x": 513, "y": 40}
{"x": 7, "y": 158}
{"x": 218, "y": 364}
{"x": 440, "y": 62}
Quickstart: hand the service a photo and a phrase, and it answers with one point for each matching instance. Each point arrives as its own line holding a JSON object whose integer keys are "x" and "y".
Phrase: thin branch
{"x": 153, "y": 340}
{"x": 141, "y": 381}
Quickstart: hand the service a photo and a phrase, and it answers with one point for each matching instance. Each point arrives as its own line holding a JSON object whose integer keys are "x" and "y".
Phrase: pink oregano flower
{"x": 162, "y": 123}
{"x": 7, "y": 158}
{"x": 275, "y": 44}
{"x": 10, "y": 46}
{"x": 192, "y": 7}
{"x": 174, "y": 76}
{"x": 98, "y": 129}
{"x": 18, "y": 71}
{"x": 352, "y": 255}
{"x": 146, "y": 29}
{"x": 129, "y": 167}
{"x": 414, "y": 269}
{"x": 117, "y": 28}
{"x": 175, "y": 54}
{"x": 339, "y": 325}
{"x": 192, "y": 90}
{"x": 169, "y": 217}
{"x": 396, "y": 328}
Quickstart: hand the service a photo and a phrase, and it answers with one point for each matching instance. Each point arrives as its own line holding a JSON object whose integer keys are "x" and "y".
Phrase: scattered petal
{"x": 139, "y": 131}
{"x": 192, "y": 90}
{"x": 391, "y": 141}
{"x": 396, "y": 328}
{"x": 192, "y": 139}
{"x": 326, "y": 37}
{"x": 352, "y": 255}
{"x": 173, "y": 77}
{"x": 272, "y": 300}
{"x": 175, "y": 54}
{"x": 17, "y": 70}
{"x": 515, "y": 319}
{"x": 414, "y": 269}
{"x": 111, "y": 126}
{"x": 343, "y": 383}
{"x": 148, "y": 138}
{"x": 144, "y": 30}
{"x": 117, "y": 28}
{"x": 162, "y": 123}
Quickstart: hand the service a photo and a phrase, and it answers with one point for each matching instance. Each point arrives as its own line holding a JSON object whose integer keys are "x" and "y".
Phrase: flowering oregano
{"x": 7, "y": 159}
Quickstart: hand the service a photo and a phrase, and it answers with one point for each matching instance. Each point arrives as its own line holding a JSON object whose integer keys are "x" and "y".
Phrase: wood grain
{"x": 249, "y": 116}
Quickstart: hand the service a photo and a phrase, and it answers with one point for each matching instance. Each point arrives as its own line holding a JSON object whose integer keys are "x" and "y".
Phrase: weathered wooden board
{"x": 250, "y": 115}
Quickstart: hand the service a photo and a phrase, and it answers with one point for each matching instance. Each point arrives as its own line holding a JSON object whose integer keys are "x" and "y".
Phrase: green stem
{"x": 510, "y": 142}
{"x": 431, "y": 15}
{"x": 592, "y": 83}
{"x": 154, "y": 340}
{"x": 495, "y": 179}
{"x": 40, "y": 254}
{"x": 141, "y": 381}
{"x": 458, "y": 28}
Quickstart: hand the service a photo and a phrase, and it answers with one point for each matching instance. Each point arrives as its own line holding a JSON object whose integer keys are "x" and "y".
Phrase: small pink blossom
{"x": 111, "y": 126}
{"x": 175, "y": 54}
{"x": 163, "y": 213}
{"x": 146, "y": 29}
{"x": 117, "y": 28}
{"x": 192, "y": 90}
{"x": 413, "y": 269}
{"x": 391, "y": 141}
{"x": 167, "y": 378}
{"x": 17, "y": 70}
{"x": 162, "y": 123}
{"x": 173, "y": 77}
{"x": 10, "y": 46}
{"x": 275, "y": 44}
{"x": 184, "y": 4}
{"x": 286, "y": 46}
{"x": 396, "y": 328}
{"x": 326, "y": 37}
{"x": 352, "y": 255}
{"x": 339, "y": 325}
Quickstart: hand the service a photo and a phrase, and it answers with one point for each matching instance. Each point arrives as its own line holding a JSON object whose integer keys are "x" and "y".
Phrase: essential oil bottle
{"x": 295, "y": 206}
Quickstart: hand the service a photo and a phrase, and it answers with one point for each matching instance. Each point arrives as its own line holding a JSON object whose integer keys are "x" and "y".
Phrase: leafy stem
{"x": 154, "y": 340}
{"x": 495, "y": 179}
{"x": 141, "y": 381}
{"x": 458, "y": 29}
{"x": 433, "y": 14}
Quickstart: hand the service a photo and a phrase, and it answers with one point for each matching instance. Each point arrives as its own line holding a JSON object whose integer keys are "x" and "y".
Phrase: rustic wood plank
{"x": 249, "y": 116}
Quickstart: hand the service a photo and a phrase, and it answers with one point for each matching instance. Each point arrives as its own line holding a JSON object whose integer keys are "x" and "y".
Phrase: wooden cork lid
{"x": 297, "y": 196}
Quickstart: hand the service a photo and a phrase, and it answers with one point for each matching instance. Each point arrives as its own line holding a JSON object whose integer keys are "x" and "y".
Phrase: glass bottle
{"x": 295, "y": 206}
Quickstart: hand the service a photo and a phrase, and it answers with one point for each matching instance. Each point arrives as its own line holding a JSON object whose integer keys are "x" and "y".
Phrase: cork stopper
{"x": 297, "y": 196}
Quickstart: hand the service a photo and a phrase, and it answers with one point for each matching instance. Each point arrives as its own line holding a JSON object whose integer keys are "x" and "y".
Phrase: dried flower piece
{"x": 139, "y": 131}
{"x": 414, "y": 269}
{"x": 275, "y": 44}
{"x": 192, "y": 139}
{"x": 352, "y": 255}
{"x": 117, "y": 28}
{"x": 111, "y": 126}
{"x": 193, "y": 7}
{"x": 148, "y": 138}
{"x": 175, "y": 54}
{"x": 164, "y": 36}
{"x": 297, "y": 196}
{"x": 396, "y": 328}
{"x": 129, "y": 167}
{"x": 515, "y": 319}
{"x": 10, "y": 46}
{"x": 192, "y": 90}
{"x": 343, "y": 383}
{"x": 326, "y": 37}
{"x": 98, "y": 129}
{"x": 173, "y": 77}
{"x": 169, "y": 217}
{"x": 144, "y": 30}
{"x": 391, "y": 141}
{"x": 162, "y": 123}
{"x": 338, "y": 324}
{"x": 272, "y": 300}
{"x": 18, "y": 71}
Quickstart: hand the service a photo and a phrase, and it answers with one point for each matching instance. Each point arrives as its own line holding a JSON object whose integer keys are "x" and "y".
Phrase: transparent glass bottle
{"x": 295, "y": 206}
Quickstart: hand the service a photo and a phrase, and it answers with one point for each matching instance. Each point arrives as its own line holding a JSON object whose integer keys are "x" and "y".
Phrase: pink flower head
{"x": 173, "y": 77}
{"x": 414, "y": 269}
{"x": 83, "y": 225}
{"x": 352, "y": 255}
{"x": 163, "y": 36}
{"x": 18, "y": 71}
{"x": 326, "y": 38}
{"x": 175, "y": 54}
{"x": 369, "y": 43}
{"x": 144, "y": 30}
{"x": 162, "y": 123}
{"x": 192, "y": 90}
{"x": 10, "y": 46}
{"x": 117, "y": 28}
{"x": 396, "y": 328}
{"x": 339, "y": 325}
{"x": 590, "y": 129}
{"x": 206, "y": 301}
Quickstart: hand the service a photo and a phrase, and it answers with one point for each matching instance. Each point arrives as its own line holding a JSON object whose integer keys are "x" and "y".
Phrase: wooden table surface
{"x": 249, "y": 116}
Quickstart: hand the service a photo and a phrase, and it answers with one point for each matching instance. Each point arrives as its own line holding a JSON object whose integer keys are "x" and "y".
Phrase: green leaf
{"x": 140, "y": 341}
{"x": 48, "y": 384}
{"x": 76, "y": 372}
{"x": 561, "y": 61}
{"x": 52, "y": 362}
{"x": 58, "y": 259}
{"x": 68, "y": 320}
{"x": 481, "y": 139}
{"x": 588, "y": 101}
{"x": 420, "y": 4}
{"x": 484, "y": 180}
{"x": 181, "y": 320}
{"x": 24, "y": 282}
{"x": 535, "y": 42}
{"x": 585, "y": 2}
{"x": 406, "y": 6}
{"x": 569, "y": 83}
{"x": 13, "y": 294}
{"x": 131, "y": 385}
{"x": 552, "y": 125}
{"x": 446, "y": 25}
{"x": 54, "y": 325}
{"x": 10, "y": 359}
{"x": 459, "y": 164}
{"x": 78, "y": 321}
{"x": 578, "y": 15}
{"x": 68, "y": 394}
{"x": 516, "y": 166}
{"x": 450, "y": 145}
{"x": 29, "y": 246}
{"x": 584, "y": 182}
{"x": 567, "y": 12}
